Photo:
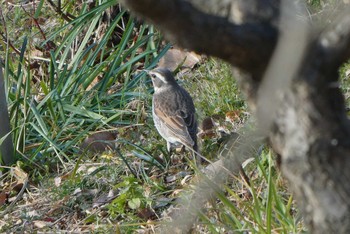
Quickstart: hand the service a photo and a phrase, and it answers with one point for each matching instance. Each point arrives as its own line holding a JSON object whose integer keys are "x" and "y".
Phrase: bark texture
{"x": 6, "y": 147}
{"x": 308, "y": 127}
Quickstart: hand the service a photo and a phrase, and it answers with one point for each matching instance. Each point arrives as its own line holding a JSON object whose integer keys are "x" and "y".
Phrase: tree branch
{"x": 308, "y": 125}
{"x": 6, "y": 147}
{"x": 239, "y": 44}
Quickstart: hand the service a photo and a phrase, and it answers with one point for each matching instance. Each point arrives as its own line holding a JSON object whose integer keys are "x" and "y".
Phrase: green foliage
{"x": 131, "y": 197}
{"x": 215, "y": 95}
{"x": 344, "y": 73}
{"x": 314, "y": 3}
{"x": 218, "y": 92}
{"x": 74, "y": 93}
{"x": 261, "y": 207}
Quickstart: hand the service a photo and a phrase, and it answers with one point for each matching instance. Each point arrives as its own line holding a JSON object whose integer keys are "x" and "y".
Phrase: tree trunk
{"x": 6, "y": 147}
{"x": 299, "y": 104}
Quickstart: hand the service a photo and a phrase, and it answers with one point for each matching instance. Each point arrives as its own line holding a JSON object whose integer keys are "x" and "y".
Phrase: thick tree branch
{"x": 239, "y": 44}
{"x": 311, "y": 132}
{"x": 308, "y": 126}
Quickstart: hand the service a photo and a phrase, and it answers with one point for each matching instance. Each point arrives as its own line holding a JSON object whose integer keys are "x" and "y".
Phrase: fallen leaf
{"x": 40, "y": 224}
{"x": 176, "y": 57}
{"x": 20, "y": 175}
{"x": 32, "y": 213}
{"x": 58, "y": 180}
{"x": 207, "y": 128}
{"x": 146, "y": 213}
{"x": 3, "y": 198}
{"x": 233, "y": 116}
{"x": 99, "y": 142}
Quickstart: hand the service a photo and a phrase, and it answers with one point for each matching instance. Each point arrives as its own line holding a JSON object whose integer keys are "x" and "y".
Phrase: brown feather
{"x": 177, "y": 125}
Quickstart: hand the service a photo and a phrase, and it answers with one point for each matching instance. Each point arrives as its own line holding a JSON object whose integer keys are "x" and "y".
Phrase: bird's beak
{"x": 146, "y": 70}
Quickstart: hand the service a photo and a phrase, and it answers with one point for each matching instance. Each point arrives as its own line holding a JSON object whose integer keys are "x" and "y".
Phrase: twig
{"x": 66, "y": 16}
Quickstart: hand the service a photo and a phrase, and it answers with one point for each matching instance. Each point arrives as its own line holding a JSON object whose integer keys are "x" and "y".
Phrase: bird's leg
{"x": 169, "y": 147}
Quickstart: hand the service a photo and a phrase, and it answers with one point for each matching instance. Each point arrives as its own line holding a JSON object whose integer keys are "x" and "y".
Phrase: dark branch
{"x": 248, "y": 45}
{"x": 309, "y": 125}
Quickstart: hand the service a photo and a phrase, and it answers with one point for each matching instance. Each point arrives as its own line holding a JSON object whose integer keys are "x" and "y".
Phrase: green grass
{"x": 345, "y": 82}
{"x": 264, "y": 206}
{"x": 218, "y": 92}
{"x": 71, "y": 103}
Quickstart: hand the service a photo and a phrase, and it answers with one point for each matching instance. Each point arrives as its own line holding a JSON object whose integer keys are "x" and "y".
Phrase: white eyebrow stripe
{"x": 158, "y": 75}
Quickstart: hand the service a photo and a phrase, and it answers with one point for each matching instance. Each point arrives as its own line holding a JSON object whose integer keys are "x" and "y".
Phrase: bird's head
{"x": 161, "y": 78}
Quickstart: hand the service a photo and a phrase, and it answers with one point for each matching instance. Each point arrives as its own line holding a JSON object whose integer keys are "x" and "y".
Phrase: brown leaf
{"x": 207, "y": 129}
{"x": 233, "y": 116}
{"x": 146, "y": 213}
{"x": 40, "y": 224}
{"x": 17, "y": 187}
{"x": 176, "y": 57}
{"x": 20, "y": 175}
{"x": 59, "y": 179}
{"x": 3, "y": 198}
{"x": 99, "y": 142}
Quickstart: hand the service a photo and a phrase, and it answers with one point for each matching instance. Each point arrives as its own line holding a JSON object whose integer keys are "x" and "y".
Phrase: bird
{"x": 173, "y": 111}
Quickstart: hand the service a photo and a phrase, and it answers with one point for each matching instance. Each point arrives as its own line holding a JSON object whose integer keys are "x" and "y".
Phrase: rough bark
{"x": 6, "y": 147}
{"x": 308, "y": 127}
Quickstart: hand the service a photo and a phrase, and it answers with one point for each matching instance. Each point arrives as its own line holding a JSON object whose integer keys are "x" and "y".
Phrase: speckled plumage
{"x": 173, "y": 110}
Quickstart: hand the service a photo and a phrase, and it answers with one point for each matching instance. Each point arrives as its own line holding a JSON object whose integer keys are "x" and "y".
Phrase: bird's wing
{"x": 178, "y": 124}
{"x": 189, "y": 119}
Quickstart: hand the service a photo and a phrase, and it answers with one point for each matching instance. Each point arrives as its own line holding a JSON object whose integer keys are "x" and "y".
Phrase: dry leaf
{"x": 233, "y": 116}
{"x": 3, "y": 198}
{"x": 176, "y": 57}
{"x": 40, "y": 224}
{"x": 99, "y": 142}
{"x": 58, "y": 180}
{"x": 20, "y": 175}
{"x": 146, "y": 213}
{"x": 207, "y": 128}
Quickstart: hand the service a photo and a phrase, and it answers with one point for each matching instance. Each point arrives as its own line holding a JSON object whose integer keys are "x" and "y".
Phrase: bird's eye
{"x": 153, "y": 76}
